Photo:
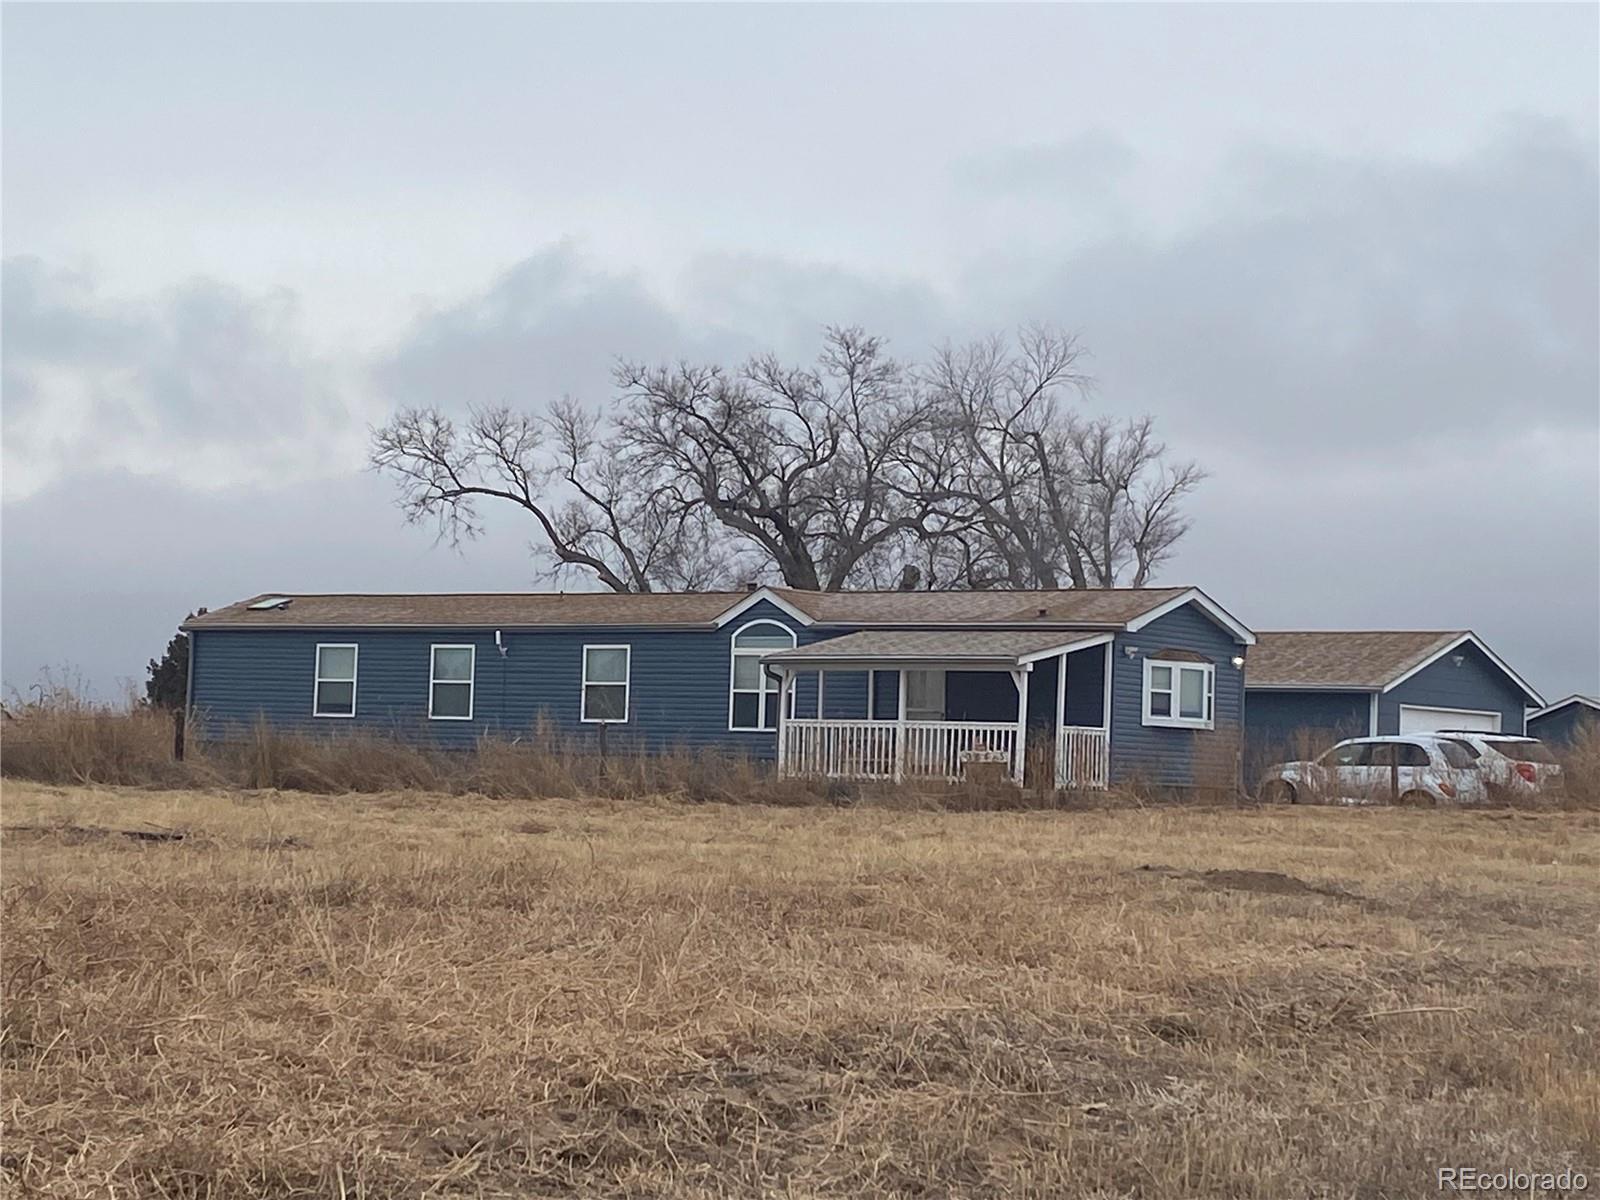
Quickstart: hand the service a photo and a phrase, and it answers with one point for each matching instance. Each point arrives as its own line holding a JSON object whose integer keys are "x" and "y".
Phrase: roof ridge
{"x": 1434, "y": 632}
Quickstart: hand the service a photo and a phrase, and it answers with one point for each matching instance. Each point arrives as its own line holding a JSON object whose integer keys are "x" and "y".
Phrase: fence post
{"x": 177, "y": 734}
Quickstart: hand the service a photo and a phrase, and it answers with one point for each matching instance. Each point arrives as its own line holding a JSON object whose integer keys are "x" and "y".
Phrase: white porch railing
{"x": 1083, "y": 757}
{"x": 859, "y": 749}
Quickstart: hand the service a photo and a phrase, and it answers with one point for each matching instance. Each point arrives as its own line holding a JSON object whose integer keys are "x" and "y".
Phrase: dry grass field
{"x": 408, "y": 995}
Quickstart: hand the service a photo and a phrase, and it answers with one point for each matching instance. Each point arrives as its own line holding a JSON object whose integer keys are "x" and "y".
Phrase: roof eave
{"x": 1308, "y": 687}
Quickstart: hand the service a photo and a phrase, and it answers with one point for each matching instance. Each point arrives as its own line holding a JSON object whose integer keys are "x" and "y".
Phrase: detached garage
{"x": 1305, "y": 689}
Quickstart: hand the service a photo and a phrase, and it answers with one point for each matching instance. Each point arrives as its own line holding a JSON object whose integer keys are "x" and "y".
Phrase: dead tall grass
{"x": 84, "y": 744}
{"x": 274, "y": 995}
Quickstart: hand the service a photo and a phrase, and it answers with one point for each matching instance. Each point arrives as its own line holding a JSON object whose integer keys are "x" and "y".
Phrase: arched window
{"x": 753, "y": 699}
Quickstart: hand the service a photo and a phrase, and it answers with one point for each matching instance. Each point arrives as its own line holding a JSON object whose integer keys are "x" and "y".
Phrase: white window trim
{"x": 471, "y": 680}
{"x": 1208, "y": 695}
{"x": 318, "y": 678}
{"x": 627, "y": 684}
{"x": 734, "y": 655}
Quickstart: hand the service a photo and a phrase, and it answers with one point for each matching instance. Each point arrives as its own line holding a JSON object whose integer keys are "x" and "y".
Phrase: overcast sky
{"x": 1349, "y": 257}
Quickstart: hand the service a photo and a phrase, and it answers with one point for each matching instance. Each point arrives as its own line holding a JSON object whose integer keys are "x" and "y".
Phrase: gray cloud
{"x": 201, "y": 382}
{"x": 1351, "y": 309}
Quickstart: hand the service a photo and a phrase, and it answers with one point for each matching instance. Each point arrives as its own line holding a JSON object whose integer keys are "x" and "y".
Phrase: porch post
{"x": 1105, "y": 703}
{"x": 1020, "y": 678}
{"x": 900, "y": 731}
{"x": 783, "y": 703}
{"x": 821, "y": 675}
{"x": 1061, "y": 722}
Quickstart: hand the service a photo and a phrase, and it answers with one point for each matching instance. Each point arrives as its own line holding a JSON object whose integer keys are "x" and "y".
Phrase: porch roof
{"x": 1000, "y": 648}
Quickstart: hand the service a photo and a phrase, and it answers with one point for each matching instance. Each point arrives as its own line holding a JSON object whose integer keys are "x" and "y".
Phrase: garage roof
{"x": 1363, "y": 660}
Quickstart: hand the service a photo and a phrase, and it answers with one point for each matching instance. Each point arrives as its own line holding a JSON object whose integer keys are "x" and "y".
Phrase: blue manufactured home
{"x": 1306, "y": 690}
{"x": 1071, "y": 688}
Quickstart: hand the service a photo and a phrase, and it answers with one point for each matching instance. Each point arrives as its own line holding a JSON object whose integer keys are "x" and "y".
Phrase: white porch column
{"x": 821, "y": 675}
{"x": 1020, "y": 678}
{"x": 900, "y": 730}
{"x": 783, "y": 705}
{"x": 1061, "y": 721}
{"x": 1105, "y": 703}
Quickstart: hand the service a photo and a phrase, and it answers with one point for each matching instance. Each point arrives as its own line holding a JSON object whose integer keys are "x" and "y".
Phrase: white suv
{"x": 1509, "y": 765}
{"x": 1414, "y": 768}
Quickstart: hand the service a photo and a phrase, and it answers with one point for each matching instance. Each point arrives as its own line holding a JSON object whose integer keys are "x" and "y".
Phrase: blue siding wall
{"x": 1175, "y": 757}
{"x": 678, "y": 695}
{"x": 1476, "y": 683}
{"x": 1279, "y": 726}
{"x": 1561, "y": 728}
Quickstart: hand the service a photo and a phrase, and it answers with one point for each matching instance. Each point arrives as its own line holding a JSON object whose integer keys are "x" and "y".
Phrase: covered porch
{"x": 1032, "y": 706}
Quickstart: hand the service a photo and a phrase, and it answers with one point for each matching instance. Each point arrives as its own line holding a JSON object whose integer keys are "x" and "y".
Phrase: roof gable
{"x": 1366, "y": 660}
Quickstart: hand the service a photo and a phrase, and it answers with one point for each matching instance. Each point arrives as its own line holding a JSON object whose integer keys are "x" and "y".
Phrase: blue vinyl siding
{"x": 1175, "y": 757}
{"x": 1477, "y": 683}
{"x": 1281, "y": 726}
{"x": 1562, "y": 727}
{"x": 678, "y": 685}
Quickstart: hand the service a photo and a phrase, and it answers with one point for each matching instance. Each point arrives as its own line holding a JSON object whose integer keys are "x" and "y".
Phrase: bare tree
{"x": 1051, "y": 498}
{"x": 594, "y": 512}
{"x": 974, "y": 471}
{"x": 814, "y": 467}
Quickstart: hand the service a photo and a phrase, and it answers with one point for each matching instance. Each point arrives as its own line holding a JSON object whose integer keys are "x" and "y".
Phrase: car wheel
{"x": 1279, "y": 791}
{"x": 1417, "y": 799}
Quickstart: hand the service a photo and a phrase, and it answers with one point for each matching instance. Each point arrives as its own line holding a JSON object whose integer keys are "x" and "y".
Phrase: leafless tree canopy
{"x": 976, "y": 469}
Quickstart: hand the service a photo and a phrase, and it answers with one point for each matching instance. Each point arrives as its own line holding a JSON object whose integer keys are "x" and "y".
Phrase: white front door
{"x": 1417, "y": 719}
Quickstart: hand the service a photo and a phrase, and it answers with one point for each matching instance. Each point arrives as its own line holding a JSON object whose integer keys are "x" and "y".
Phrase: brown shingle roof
{"x": 1112, "y": 607}
{"x": 945, "y": 645}
{"x": 484, "y": 610}
{"x": 1359, "y": 659}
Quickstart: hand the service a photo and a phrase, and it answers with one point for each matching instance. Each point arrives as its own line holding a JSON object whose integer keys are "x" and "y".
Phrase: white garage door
{"x": 1424, "y": 720}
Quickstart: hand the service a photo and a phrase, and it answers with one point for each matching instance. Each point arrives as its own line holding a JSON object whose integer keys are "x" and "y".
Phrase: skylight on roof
{"x": 272, "y": 602}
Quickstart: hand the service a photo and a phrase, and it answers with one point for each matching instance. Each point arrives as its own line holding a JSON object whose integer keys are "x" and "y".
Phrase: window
{"x": 605, "y": 682}
{"x": 924, "y": 695}
{"x": 1178, "y": 693}
{"x": 335, "y": 692}
{"x": 450, "y": 683}
{"x": 753, "y": 703}
{"x": 1458, "y": 755}
{"x": 1409, "y": 754}
{"x": 1356, "y": 754}
{"x": 1528, "y": 752}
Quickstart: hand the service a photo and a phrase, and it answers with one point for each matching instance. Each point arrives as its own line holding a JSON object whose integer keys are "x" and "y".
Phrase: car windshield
{"x": 1528, "y": 752}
